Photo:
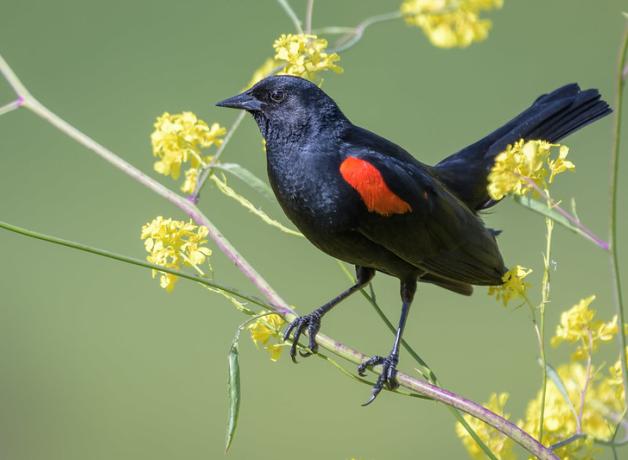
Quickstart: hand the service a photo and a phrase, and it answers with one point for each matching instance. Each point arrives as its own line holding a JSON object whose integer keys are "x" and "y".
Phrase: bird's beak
{"x": 244, "y": 101}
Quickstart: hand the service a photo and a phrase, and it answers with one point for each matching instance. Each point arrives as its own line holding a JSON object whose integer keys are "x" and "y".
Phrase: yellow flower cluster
{"x": 450, "y": 23}
{"x": 560, "y": 418}
{"x": 526, "y": 163}
{"x": 514, "y": 286}
{"x": 590, "y": 403}
{"x": 578, "y": 325}
{"x": 178, "y": 139}
{"x": 172, "y": 243}
{"x": 500, "y": 444}
{"x": 265, "y": 328}
{"x": 304, "y": 56}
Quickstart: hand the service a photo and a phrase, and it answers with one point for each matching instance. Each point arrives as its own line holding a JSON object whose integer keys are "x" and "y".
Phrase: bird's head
{"x": 284, "y": 105}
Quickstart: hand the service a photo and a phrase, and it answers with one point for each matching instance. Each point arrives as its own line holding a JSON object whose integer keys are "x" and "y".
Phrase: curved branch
{"x": 279, "y": 305}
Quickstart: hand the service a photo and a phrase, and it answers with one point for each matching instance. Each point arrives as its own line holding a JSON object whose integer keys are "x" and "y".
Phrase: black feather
{"x": 551, "y": 117}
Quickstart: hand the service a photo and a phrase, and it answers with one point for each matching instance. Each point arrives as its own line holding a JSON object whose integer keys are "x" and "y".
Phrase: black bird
{"x": 366, "y": 201}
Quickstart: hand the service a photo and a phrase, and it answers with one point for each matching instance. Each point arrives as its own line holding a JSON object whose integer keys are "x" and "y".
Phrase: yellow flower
{"x": 304, "y": 56}
{"x": 265, "y": 328}
{"x": 561, "y": 164}
{"x": 450, "y": 23}
{"x": 191, "y": 179}
{"x": 263, "y": 71}
{"x": 578, "y": 325}
{"x": 172, "y": 243}
{"x": 178, "y": 139}
{"x": 560, "y": 419}
{"x": 514, "y": 285}
{"x": 524, "y": 164}
{"x": 500, "y": 444}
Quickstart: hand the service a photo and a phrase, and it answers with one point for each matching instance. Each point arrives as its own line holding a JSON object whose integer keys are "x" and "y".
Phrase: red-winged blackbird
{"x": 366, "y": 201}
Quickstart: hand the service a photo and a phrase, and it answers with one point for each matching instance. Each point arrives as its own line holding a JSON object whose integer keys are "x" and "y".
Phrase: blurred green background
{"x": 97, "y": 362}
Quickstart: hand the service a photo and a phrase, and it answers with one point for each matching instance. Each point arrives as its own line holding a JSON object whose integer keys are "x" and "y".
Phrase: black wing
{"x": 440, "y": 235}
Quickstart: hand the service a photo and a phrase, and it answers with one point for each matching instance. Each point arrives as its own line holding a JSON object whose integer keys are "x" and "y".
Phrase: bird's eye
{"x": 277, "y": 96}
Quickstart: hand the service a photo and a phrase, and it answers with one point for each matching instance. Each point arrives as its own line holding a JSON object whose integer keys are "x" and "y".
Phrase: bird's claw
{"x": 310, "y": 323}
{"x": 388, "y": 376}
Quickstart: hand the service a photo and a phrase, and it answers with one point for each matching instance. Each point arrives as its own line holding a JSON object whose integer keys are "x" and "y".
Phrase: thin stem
{"x": 129, "y": 260}
{"x": 614, "y": 182}
{"x": 621, "y": 423}
{"x": 588, "y": 233}
{"x": 357, "y": 33}
{"x": 291, "y": 14}
{"x": 206, "y": 169}
{"x": 276, "y": 302}
{"x": 308, "y": 16}
{"x": 334, "y": 30}
{"x": 569, "y": 440}
{"x": 12, "y": 79}
{"x": 545, "y": 298}
{"x": 585, "y": 387}
{"x": 11, "y": 106}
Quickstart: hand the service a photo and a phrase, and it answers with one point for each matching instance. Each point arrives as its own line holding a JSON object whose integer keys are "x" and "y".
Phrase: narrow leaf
{"x": 248, "y": 177}
{"x": 553, "y": 375}
{"x": 234, "y": 391}
{"x": 544, "y": 210}
{"x": 235, "y": 302}
{"x": 231, "y": 193}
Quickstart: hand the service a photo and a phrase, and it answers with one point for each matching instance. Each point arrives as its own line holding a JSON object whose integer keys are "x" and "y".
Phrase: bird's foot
{"x": 388, "y": 376}
{"x": 310, "y": 323}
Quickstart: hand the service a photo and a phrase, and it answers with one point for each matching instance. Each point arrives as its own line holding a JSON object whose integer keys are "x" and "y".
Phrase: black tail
{"x": 552, "y": 117}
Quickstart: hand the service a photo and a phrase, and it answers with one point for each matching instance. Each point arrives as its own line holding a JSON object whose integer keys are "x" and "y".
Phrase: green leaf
{"x": 221, "y": 184}
{"x": 544, "y": 210}
{"x": 248, "y": 177}
{"x": 234, "y": 391}
{"x": 553, "y": 375}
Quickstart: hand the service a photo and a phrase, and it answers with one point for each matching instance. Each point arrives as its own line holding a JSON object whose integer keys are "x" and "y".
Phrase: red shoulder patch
{"x": 369, "y": 183}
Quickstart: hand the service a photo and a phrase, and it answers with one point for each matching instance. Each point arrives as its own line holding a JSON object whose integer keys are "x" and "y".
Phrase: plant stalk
{"x": 614, "y": 183}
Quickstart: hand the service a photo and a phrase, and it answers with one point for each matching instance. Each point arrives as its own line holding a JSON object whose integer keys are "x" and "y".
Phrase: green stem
{"x": 614, "y": 255}
{"x": 309, "y": 12}
{"x": 292, "y": 15}
{"x": 358, "y": 31}
{"x": 207, "y": 169}
{"x": 545, "y": 298}
{"x": 567, "y": 441}
{"x": 130, "y": 260}
{"x": 334, "y": 30}
{"x": 11, "y": 106}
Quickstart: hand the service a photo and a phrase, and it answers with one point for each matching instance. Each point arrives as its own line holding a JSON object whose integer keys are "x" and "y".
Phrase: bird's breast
{"x": 312, "y": 192}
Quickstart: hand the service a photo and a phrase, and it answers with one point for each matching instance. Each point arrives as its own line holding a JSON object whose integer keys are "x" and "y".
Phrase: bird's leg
{"x": 389, "y": 364}
{"x": 312, "y": 322}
